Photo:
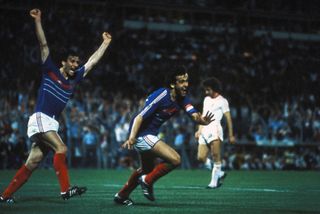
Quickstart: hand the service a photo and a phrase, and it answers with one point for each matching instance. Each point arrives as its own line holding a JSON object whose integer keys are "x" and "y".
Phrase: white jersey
{"x": 218, "y": 106}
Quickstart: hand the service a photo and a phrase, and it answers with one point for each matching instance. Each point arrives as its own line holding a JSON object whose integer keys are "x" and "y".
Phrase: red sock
{"x": 60, "y": 166}
{"x": 131, "y": 184}
{"x": 159, "y": 171}
{"x": 18, "y": 180}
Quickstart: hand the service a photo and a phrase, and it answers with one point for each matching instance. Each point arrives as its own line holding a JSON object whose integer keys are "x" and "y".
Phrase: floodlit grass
{"x": 182, "y": 191}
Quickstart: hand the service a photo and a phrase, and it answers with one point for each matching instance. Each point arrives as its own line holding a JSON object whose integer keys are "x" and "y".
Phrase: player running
{"x": 160, "y": 106}
{"x": 56, "y": 89}
{"x": 210, "y": 137}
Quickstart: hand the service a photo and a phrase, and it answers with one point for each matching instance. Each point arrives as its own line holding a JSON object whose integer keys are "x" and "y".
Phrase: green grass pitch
{"x": 182, "y": 191}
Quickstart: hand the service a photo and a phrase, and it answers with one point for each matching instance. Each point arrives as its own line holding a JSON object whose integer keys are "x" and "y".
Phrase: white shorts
{"x": 40, "y": 123}
{"x": 146, "y": 142}
{"x": 208, "y": 137}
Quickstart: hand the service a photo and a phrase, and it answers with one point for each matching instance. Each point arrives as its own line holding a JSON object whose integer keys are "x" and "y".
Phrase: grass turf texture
{"x": 182, "y": 191}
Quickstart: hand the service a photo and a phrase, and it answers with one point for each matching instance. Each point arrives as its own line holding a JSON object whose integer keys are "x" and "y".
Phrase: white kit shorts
{"x": 207, "y": 137}
{"x": 146, "y": 142}
{"x": 40, "y": 123}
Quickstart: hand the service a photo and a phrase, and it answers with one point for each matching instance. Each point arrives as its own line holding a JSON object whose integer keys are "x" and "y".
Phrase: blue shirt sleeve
{"x": 79, "y": 74}
{"x": 48, "y": 65}
{"x": 153, "y": 102}
{"x": 188, "y": 107}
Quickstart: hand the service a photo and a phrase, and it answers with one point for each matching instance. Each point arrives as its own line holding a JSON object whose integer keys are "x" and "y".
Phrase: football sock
{"x": 215, "y": 174}
{"x": 131, "y": 184}
{"x": 60, "y": 166}
{"x": 159, "y": 171}
{"x": 208, "y": 163}
{"x": 18, "y": 180}
{"x": 221, "y": 174}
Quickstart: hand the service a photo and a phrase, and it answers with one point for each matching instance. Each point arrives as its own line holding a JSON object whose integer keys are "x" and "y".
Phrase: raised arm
{"x": 96, "y": 56}
{"x": 44, "y": 50}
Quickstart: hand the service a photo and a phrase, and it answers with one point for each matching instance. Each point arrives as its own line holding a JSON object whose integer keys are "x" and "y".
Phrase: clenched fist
{"x": 35, "y": 13}
{"x": 106, "y": 37}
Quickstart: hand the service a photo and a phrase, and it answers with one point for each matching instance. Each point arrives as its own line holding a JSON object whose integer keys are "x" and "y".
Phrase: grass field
{"x": 182, "y": 191}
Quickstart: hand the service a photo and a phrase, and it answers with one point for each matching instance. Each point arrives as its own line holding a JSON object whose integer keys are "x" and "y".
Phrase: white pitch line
{"x": 228, "y": 188}
{"x": 239, "y": 189}
{"x": 259, "y": 190}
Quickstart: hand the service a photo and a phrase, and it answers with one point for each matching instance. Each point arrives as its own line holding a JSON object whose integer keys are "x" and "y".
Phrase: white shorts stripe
{"x": 40, "y": 123}
{"x": 159, "y": 97}
{"x": 146, "y": 142}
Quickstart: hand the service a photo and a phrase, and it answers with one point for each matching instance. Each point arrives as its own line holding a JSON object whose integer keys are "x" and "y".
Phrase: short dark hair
{"x": 64, "y": 54}
{"x": 174, "y": 71}
{"x": 214, "y": 83}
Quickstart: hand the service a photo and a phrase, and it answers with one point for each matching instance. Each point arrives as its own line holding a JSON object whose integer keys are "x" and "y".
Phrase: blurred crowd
{"x": 271, "y": 85}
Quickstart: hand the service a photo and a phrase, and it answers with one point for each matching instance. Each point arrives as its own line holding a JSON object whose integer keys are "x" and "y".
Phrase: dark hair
{"x": 214, "y": 83}
{"x": 174, "y": 71}
{"x": 64, "y": 54}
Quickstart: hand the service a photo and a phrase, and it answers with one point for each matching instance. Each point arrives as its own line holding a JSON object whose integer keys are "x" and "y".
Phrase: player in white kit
{"x": 210, "y": 137}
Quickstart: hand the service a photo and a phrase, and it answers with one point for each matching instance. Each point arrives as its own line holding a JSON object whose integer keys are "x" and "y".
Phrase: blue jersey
{"x": 158, "y": 109}
{"x": 55, "y": 91}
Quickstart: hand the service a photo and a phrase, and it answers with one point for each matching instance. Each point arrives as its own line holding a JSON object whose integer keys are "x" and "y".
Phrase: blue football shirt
{"x": 55, "y": 91}
{"x": 159, "y": 108}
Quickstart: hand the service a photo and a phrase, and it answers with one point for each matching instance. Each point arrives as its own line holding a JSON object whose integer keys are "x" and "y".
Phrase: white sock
{"x": 143, "y": 178}
{"x": 215, "y": 175}
{"x": 208, "y": 163}
{"x": 221, "y": 173}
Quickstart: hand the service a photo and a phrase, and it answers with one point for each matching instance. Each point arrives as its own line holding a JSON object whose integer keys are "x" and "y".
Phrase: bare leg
{"x": 203, "y": 152}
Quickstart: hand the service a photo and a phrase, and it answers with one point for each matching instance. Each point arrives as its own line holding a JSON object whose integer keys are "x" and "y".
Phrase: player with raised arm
{"x": 159, "y": 107}
{"x": 56, "y": 88}
{"x": 210, "y": 137}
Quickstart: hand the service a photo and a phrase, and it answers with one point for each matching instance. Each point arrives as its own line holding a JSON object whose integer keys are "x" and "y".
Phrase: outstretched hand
{"x": 106, "y": 37}
{"x": 208, "y": 118}
{"x": 128, "y": 144}
{"x": 35, "y": 13}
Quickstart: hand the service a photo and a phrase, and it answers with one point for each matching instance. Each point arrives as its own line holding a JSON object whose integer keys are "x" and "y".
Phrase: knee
{"x": 62, "y": 149}
{"x": 201, "y": 158}
{"x": 176, "y": 161}
{"x": 33, "y": 162}
{"x": 216, "y": 156}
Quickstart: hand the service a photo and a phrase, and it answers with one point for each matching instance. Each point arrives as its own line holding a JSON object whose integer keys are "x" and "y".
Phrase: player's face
{"x": 71, "y": 65}
{"x": 209, "y": 92}
{"x": 182, "y": 84}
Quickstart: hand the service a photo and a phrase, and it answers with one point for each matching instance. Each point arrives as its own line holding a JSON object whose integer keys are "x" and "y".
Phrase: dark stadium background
{"x": 266, "y": 53}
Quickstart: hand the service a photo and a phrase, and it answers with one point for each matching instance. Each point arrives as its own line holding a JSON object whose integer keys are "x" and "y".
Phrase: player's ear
{"x": 63, "y": 62}
{"x": 172, "y": 85}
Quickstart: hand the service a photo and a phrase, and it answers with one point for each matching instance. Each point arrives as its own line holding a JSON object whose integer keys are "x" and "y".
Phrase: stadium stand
{"x": 266, "y": 54}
